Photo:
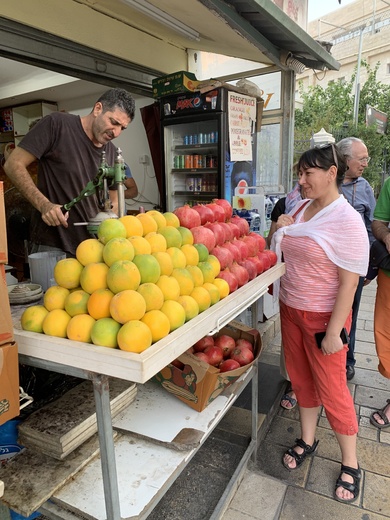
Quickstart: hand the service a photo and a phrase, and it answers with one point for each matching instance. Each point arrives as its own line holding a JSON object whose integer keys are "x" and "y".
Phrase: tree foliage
{"x": 332, "y": 108}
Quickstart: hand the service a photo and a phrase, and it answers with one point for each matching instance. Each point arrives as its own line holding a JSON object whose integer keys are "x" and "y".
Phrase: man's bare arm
{"x": 381, "y": 232}
{"x": 16, "y": 169}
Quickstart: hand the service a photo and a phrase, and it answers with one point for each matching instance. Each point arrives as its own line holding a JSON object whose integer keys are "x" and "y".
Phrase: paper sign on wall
{"x": 242, "y": 115}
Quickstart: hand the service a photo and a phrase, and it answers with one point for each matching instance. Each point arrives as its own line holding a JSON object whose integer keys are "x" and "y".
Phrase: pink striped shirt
{"x": 311, "y": 280}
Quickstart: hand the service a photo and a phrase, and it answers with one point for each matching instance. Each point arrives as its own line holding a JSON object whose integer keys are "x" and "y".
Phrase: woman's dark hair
{"x": 324, "y": 157}
{"x": 118, "y": 98}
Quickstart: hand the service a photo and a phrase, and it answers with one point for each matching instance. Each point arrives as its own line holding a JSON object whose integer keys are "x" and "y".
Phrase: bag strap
{"x": 301, "y": 208}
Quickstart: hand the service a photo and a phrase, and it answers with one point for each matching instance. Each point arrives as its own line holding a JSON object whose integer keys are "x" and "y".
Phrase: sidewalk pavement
{"x": 269, "y": 492}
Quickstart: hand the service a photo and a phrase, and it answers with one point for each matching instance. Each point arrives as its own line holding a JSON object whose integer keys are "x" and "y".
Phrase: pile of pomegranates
{"x": 241, "y": 253}
{"x": 224, "y": 352}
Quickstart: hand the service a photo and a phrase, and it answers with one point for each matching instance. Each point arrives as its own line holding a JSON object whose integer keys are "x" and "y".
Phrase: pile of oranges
{"x": 140, "y": 279}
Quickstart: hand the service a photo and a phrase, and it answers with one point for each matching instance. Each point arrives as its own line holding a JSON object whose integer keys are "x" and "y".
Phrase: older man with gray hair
{"x": 360, "y": 195}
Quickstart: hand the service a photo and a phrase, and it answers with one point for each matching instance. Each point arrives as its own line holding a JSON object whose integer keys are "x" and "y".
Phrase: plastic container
{"x": 42, "y": 266}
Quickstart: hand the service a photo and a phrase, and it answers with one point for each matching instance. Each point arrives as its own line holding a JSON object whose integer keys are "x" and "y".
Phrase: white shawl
{"x": 338, "y": 229}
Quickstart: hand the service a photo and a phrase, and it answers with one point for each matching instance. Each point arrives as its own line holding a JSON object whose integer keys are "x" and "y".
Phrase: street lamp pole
{"x": 357, "y": 81}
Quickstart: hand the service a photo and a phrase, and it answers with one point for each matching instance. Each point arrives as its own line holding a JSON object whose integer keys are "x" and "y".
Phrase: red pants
{"x": 317, "y": 379}
{"x": 382, "y": 323}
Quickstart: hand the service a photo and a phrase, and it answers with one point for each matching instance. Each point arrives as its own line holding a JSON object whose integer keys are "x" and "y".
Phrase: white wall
{"x": 133, "y": 143}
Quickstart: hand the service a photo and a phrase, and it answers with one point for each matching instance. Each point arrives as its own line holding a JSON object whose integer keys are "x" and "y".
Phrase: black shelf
{"x": 194, "y": 170}
{"x": 203, "y": 146}
{"x": 196, "y": 193}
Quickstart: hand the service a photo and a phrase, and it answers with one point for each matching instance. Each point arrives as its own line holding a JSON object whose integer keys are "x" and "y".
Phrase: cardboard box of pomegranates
{"x": 196, "y": 382}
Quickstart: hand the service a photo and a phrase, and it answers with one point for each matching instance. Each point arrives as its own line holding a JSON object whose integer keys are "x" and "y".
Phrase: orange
{"x": 202, "y": 251}
{"x": 55, "y": 323}
{"x": 104, "y": 332}
{"x": 32, "y": 318}
{"x": 178, "y": 257}
{"x": 141, "y": 245}
{"x": 54, "y": 297}
{"x": 172, "y": 236}
{"x": 208, "y": 271}
{"x": 134, "y": 336}
{"x": 202, "y": 298}
{"x": 133, "y": 225}
{"x": 186, "y": 236}
{"x": 158, "y": 324}
{"x": 94, "y": 277}
{"x": 197, "y": 275}
{"x": 158, "y": 217}
{"x": 99, "y": 303}
{"x": 67, "y": 273}
{"x": 111, "y": 228}
{"x": 157, "y": 242}
{"x": 213, "y": 260}
{"x": 191, "y": 254}
{"x": 190, "y": 306}
{"x": 185, "y": 281}
{"x": 165, "y": 262}
{"x": 153, "y": 296}
{"x": 79, "y": 328}
{"x": 90, "y": 250}
{"x": 148, "y": 267}
{"x": 127, "y": 305}
{"x": 213, "y": 291}
{"x": 77, "y": 303}
{"x": 123, "y": 275}
{"x": 118, "y": 249}
{"x": 175, "y": 314}
{"x": 222, "y": 286}
{"x": 171, "y": 219}
{"x": 169, "y": 286}
{"x": 148, "y": 223}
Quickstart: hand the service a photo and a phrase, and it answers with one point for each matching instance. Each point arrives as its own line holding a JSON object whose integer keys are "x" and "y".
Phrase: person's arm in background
{"x": 131, "y": 189}
{"x": 278, "y": 210}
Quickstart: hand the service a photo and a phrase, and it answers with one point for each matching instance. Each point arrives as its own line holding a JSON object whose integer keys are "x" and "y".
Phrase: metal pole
{"x": 357, "y": 82}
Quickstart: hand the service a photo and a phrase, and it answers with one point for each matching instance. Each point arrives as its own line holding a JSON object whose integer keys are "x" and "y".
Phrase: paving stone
{"x": 299, "y": 504}
{"x": 364, "y": 347}
{"x": 377, "y": 493}
{"x": 366, "y": 335}
{"x": 254, "y": 499}
{"x": 270, "y": 358}
{"x": 367, "y": 432}
{"x": 366, "y": 361}
{"x": 370, "y": 379}
{"x": 373, "y": 396}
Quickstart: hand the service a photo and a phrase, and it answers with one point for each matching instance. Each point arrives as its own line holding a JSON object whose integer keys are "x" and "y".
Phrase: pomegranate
{"x": 242, "y": 247}
{"x": 234, "y": 250}
{"x": 259, "y": 263}
{"x": 244, "y": 343}
{"x": 241, "y": 223}
{"x": 260, "y": 240}
{"x": 266, "y": 260}
{"x": 272, "y": 256}
{"x": 218, "y": 231}
{"x": 224, "y": 256}
{"x": 219, "y": 212}
{"x": 240, "y": 273}
{"x": 187, "y": 216}
{"x": 226, "y": 206}
{"x": 251, "y": 267}
{"x": 178, "y": 364}
{"x": 228, "y": 365}
{"x": 230, "y": 279}
{"x": 206, "y": 215}
{"x": 228, "y": 231}
{"x": 243, "y": 355}
{"x": 235, "y": 230}
{"x": 203, "y": 235}
{"x": 226, "y": 343}
{"x": 202, "y": 356}
{"x": 252, "y": 244}
{"x": 214, "y": 355}
{"x": 202, "y": 344}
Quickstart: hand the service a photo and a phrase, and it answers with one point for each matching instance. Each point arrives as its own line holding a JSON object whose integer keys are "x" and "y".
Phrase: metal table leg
{"x": 107, "y": 449}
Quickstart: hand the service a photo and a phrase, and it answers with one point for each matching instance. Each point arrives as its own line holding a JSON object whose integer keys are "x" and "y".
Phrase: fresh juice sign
{"x": 242, "y": 116}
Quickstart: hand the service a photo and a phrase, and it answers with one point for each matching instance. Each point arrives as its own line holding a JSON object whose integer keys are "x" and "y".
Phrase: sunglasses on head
{"x": 332, "y": 146}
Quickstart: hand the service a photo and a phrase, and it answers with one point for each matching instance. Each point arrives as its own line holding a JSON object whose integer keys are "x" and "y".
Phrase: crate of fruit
{"x": 213, "y": 363}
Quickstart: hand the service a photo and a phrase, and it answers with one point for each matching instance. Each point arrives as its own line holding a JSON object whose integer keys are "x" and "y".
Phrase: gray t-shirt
{"x": 68, "y": 160}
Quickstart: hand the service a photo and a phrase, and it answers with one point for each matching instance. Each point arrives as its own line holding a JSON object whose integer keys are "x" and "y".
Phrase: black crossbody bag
{"x": 379, "y": 256}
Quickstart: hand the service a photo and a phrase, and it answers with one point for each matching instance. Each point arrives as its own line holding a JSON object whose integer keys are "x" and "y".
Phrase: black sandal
{"x": 353, "y": 487}
{"x": 381, "y": 413}
{"x": 299, "y": 457}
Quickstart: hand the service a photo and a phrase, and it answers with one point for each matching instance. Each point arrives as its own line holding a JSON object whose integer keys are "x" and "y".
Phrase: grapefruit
{"x": 104, "y": 332}
{"x": 134, "y": 336}
{"x": 127, "y": 305}
{"x": 90, "y": 250}
{"x": 123, "y": 275}
{"x": 79, "y": 328}
{"x": 111, "y": 228}
{"x": 32, "y": 318}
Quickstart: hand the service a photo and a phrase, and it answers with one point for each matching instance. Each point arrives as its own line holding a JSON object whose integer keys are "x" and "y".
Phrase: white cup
{"x": 42, "y": 267}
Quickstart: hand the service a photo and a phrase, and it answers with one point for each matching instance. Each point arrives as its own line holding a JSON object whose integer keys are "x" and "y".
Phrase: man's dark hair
{"x": 118, "y": 98}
